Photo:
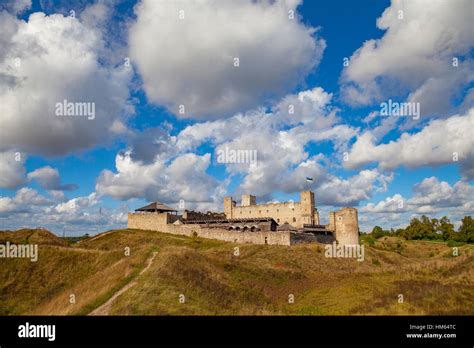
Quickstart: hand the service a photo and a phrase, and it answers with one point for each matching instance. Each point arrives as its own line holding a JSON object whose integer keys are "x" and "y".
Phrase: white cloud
{"x": 440, "y": 142}
{"x": 7, "y": 205}
{"x": 190, "y": 61}
{"x": 394, "y": 204}
{"x": 433, "y": 194}
{"x": 49, "y": 59}
{"x": 12, "y": 170}
{"x": 184, "y": 178}
{"x": 25, "y": 200}
{"x": 431, "y": 197}
{"x": 415, "y": 56}
{"x": 280, "y": 139}
{"x": 15, "y": 6}
{"x": 76, "y": 204}
{"x": 349, "y": 192}
{"x": 73, "y": 217}
{"x": 29, "y": 196}
{"x": 49, "y": 179}
{"x": 59, "y": 196}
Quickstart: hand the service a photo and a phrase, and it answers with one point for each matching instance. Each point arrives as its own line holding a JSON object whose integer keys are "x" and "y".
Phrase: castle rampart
{"x": 149, "y": 222}
{"x": 296, "y": 214}
{"x": 271, "y": 223}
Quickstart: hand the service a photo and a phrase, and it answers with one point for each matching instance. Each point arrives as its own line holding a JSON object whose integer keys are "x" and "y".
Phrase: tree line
{"x": 425, "y": 228}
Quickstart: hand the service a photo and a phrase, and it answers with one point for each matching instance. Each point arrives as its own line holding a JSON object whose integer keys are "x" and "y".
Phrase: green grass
{"x": 215, "y": 282}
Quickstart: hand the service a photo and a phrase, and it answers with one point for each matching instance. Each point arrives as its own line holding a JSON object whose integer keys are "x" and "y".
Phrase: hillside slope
{"x": 193, "y": 276}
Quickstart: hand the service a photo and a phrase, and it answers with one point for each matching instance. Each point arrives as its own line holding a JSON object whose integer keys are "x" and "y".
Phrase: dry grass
{"x": 215, "y": 282}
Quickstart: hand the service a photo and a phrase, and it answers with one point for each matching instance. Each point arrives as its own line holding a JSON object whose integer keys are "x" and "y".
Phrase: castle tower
{"x": 316, "y": 216}
{"x": 248, "y": 200}
{"x": 307, "y": 207}
{"x": 346, "y": 225}
{"x": 332, "y": 221}
{"x": 228, "y": 207}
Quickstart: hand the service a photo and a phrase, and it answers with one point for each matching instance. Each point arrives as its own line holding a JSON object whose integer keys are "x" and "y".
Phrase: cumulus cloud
{"x": 440, "y": 142}
{"x": 329, "y": 188}
{"x": 49, "y": 179}
{"x": 152, "y": 142}
{"x": 56, "y": 58}
{"x": 183, "y": 178}
{"x": 393, "y": 204}
{"x": 350, "y": 192}
{"x": 24, "y": 201}
{"x": 415, "y": 56}
{"x": 279, "y": 138}
{"x": 58, "y": 196}
{"x": 12, "y": 170}
{"x": 434, "y": 194}
{"x": 73, "y": 217}
{"x": 429, "y": 196}
{"x": 75, "y": 204}
{"x": 190, "y": 61}
{"x": 15, "y": 6}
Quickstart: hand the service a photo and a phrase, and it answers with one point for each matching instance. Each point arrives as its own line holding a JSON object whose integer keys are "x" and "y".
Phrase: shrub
{"x": 453, "y": 243}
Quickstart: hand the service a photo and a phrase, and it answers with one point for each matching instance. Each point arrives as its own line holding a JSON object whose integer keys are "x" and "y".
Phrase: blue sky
{"x": 81, "y": 175}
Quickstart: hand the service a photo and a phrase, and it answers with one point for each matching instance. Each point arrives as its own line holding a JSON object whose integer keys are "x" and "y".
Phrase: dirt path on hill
{"x": 97, "y": 236}
{"x": 104, "y": 309}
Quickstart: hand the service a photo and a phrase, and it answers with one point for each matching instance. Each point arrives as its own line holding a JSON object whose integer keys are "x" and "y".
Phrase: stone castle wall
{"x": 296, "y": 214}
{"x": 343, "y": 223}
{"x": 154, "y": 222}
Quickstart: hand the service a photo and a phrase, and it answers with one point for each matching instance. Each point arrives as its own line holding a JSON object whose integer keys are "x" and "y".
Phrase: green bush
{"x": 453, "y": 243}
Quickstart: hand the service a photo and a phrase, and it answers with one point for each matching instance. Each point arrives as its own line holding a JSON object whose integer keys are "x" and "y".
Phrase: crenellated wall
{"x": 154, "y": 222}
{"x": 343, "y": 223}
{"x": 296, "y": 214}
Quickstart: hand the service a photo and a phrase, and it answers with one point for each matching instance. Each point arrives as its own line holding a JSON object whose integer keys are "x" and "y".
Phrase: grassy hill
{"x": 213, "y": 281}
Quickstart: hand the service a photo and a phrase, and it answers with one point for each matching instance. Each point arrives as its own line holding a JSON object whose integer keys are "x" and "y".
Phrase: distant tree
{"x": 466, "y": 230}
{"x": 413, "y": 230}
{"x": 446, "y": 229}
{"x": 435, "y": 229}
{"x": 377, "y": 232}
{"x": 399, "y": 232}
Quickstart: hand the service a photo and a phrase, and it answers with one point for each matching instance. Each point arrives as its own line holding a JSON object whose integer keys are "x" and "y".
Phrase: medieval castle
{"x": 271, "y": 223}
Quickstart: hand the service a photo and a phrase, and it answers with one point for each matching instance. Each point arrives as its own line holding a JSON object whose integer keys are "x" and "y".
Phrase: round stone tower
{"x": 346, "y": 226}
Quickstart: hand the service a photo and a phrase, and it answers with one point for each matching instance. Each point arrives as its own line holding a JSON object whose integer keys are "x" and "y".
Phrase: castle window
{"x": 267, "y": 210}
{"x": 339, "y": 218}
{"x": 259, "y": 211}
{"x": 294, "y": 219}
{"x": 250, "y": 212}
{"x": 278, "y": 210}
{"x": 278, "y": 220}
{"x": 293, "y": 209}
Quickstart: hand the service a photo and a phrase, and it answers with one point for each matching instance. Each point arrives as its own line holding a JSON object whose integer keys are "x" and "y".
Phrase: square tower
{"x": 228, "y": 207}
{"x": 307, "y": 207}
{"x": 248, "y": 200}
